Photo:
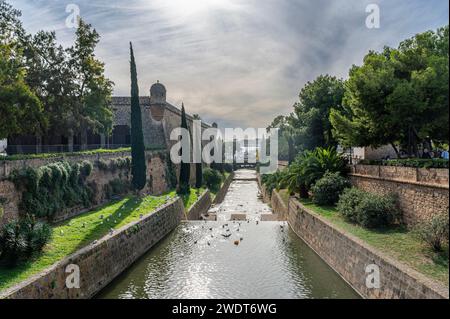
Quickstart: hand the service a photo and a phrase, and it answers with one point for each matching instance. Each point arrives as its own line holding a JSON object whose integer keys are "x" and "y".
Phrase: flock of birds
{"x": 227, "y": 232}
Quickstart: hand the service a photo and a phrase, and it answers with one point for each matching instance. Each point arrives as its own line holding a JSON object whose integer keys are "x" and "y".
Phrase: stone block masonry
{"x": 421, "y": 193}
{"x": 157, "y": 182}
{"x": 349, "y": 257}
{"x": 220, "y": 196}
{"x": 100, "y": 262}
{"x": 200, "y": 207}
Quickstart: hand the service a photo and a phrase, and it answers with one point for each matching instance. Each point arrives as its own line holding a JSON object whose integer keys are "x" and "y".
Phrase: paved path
{"x": 242, "y": 199}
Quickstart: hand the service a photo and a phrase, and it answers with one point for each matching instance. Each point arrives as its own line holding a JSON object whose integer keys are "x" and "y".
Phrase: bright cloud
{"x": 236, "y": 62}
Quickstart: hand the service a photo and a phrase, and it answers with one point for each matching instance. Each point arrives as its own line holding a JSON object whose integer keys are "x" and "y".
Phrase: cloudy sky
{"x": 236, "y": 62}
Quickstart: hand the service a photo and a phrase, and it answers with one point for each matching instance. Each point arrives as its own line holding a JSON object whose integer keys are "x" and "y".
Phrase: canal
{"x": 226, "y": 259}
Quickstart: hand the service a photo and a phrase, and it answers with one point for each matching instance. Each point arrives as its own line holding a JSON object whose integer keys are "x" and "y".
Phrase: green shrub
{"x": 62, "y": 155}
{"x": 37, "y": 234}
{"x": 51, "y": 188}
{"x": 116, "y": 187}
{"x": 368, "y": 210}
{"x": 377, "y": 211}
{"x": 326, "y": 191}
{"x": 272, "y": 181}
{"x": 121, "y": 163}
{"x": 348, "y": 203}
{"x": 309, "y": 167}
{"x": 20, "y": 240}
{"x": 435, "y": 232}
{"x": 212, "y": 179}
{"x": 410, "y": 162}
{"x": 228, "y": 167}
{"x": 13, "y": 243}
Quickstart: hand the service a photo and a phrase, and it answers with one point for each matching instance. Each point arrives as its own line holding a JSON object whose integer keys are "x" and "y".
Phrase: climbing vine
{"x": 121, "y": 163}
{"x": 52, "y": 188}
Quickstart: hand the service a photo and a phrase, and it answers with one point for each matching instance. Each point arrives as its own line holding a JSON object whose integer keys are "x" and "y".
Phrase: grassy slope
{"x": 80, "y": 231}
{"x": 397, "y": 242}
{"x": 192, "y": 197}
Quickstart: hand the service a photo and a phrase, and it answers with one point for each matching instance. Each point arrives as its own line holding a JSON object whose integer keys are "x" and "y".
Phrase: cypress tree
{"x": 185, "y": 170}
{"x": 138, "y": 166}
{"x": 198, "y": 175}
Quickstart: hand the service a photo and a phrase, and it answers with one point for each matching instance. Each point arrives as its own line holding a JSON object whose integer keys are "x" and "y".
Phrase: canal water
{"x": 226, "y": 259}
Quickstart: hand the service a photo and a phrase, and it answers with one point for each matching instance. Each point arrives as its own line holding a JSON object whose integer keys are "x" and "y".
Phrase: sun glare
{"x": 193, "y": 7}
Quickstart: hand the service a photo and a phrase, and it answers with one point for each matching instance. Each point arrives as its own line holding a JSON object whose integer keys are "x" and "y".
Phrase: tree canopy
{"x": 398, "y": 95}
{"x": 72, "y": 92}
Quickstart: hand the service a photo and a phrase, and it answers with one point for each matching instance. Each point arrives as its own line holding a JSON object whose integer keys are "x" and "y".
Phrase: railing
{"x": 39, "y": 149}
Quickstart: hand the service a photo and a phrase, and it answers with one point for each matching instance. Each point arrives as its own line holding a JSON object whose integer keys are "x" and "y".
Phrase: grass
{"x": 397, "y": 242}
{"x": 55, "y": 155}
{"x": 192, "y": 197}
{"x": 80, "y": 231}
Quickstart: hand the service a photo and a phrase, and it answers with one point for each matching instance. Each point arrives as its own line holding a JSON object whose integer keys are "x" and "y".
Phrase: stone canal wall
{"x": 102, "y": 261}
{"x": 99, "y": 180}
{"x": 349, "y": 256}
{"x": 220, "y": 196}
{"x": 278, "y": 205}
{"x": 201, "y": 206}
{"x": 420, "y": 192}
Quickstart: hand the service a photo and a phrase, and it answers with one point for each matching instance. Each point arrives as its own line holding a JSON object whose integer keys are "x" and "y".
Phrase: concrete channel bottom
{"x": 242, "y": 201}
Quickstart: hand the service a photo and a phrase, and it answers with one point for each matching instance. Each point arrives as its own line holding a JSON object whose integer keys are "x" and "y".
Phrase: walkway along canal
{"x": 231, "y": 259}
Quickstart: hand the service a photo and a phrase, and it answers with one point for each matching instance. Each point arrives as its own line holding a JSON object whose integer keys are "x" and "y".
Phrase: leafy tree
{"x": 91, "y": 105}
{"x": 138, "y": 166}
{"x": 310, "y": 118}
{"x": 398, "y": 95}
{"x": 50, "y": 77}
{"x": 185, "y": 170}
{"x": 20, "y": 109}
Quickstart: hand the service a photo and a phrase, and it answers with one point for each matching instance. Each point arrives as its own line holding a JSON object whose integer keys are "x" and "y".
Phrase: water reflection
{"x": 196, "y": 261}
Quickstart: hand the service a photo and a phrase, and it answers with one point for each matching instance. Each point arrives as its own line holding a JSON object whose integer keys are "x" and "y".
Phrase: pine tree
{"x": 185, "y": 170}
{"x": 138, "y": 167}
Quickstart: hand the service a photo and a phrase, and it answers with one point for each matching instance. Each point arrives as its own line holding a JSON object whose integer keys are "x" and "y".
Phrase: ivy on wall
{"x": 52, "y": 188}
{"x": 121, "y": 163}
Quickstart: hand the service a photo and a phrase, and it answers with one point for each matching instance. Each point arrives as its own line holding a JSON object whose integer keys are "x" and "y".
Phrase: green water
{"x": 196, "y": 262}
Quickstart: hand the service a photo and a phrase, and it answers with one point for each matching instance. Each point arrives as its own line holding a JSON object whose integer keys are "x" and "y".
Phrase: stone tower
{"x": 157, "y": 101}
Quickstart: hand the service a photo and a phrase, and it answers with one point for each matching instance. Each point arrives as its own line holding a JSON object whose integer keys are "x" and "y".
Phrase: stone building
{"x": 158, "y": 119}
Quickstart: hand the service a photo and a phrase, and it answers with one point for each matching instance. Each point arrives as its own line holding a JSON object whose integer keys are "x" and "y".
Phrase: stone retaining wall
{"x": 349, "y": 256}
{"x": 156, "y": 182}
{"x": 201, "y": 206}
{"x": 6, "y": 167}
{"x": 279, "y": 206}
{"x": 262, "y": 188}
{"x": 431, "y": 176}
{"x": 418, "y": 201}
{"x": 101, "y": 262}
{"x": 220, "y": 196}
